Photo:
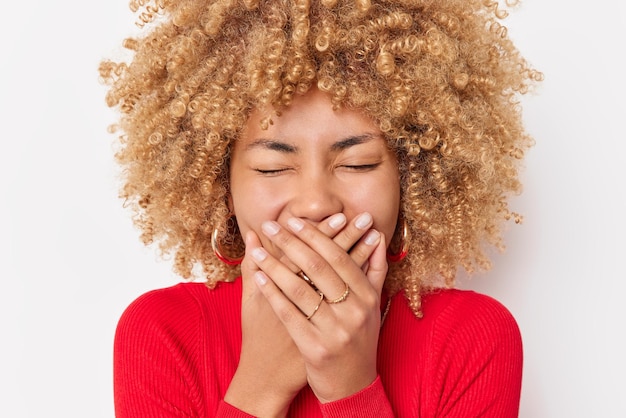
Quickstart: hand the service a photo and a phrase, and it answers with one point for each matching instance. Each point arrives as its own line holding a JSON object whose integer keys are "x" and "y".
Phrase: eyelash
{"x": 270, "y": 172}
{"x": 361, "y": 167}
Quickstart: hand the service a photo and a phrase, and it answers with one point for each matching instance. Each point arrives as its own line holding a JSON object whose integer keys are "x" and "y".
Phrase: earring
{"x": 404, "y": 245}
{"x": 219, "y": 252}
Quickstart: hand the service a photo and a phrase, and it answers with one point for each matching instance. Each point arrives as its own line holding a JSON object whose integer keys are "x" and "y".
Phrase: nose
{"x": 316, "y": 197}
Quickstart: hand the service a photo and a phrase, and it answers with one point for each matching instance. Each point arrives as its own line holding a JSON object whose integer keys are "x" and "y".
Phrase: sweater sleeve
{"x": 162, "y": 367}
{"x": 153, "y": 372}
{"x": 479, "y": 370}
{"x": 371, "y": 402}
{"x": 226, "y": 410}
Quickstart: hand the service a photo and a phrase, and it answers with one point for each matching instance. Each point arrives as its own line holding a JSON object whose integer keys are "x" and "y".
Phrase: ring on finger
{"x": 341, "y": 298}
{"x": 317, "y": 307}
{"x": 306, "y": 278}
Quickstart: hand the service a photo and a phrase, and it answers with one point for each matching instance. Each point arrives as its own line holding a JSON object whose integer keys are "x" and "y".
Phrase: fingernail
{"x": 260, "y": 278}
{"x": 270, "y": 228}
{"x": 372, "y": 237}
{"x": 363, "y": 221}
{"x": 295, "y": 224}
{"x": 337, "y": 221}
{"x": 259, "y": 254}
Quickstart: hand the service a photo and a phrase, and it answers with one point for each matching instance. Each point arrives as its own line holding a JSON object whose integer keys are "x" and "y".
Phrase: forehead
{"x": 310, "y": 116}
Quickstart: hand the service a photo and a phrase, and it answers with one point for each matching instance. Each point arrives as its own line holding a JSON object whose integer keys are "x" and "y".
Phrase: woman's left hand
{"x": 337, "y": 333}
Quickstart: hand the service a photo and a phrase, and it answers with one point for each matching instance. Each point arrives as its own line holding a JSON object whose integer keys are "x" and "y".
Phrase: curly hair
{"x": 441, "y": 79}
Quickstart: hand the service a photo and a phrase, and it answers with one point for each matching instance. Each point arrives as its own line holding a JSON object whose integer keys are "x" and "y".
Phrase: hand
{"x": 271, "y": 370}
{"x": 339, "y": 343}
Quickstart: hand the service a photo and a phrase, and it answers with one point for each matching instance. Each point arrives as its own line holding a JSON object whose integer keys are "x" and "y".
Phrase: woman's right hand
{"x": 271, "y": 370}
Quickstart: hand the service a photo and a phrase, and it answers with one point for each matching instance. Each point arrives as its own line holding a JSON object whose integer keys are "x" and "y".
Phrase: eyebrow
{"x": 274, "y": 145}
{"x": 283, "y": 147}
{"x": 351, "y": 141}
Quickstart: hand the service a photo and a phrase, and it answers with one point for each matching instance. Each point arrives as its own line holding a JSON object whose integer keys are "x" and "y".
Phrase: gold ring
{"x": 306, "y": 279}
{"x": 317, "y": 307}
{"x": 342, "y": 297}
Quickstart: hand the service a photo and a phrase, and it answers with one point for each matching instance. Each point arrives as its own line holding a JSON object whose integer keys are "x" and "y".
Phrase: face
{"x": 313, "y": 162}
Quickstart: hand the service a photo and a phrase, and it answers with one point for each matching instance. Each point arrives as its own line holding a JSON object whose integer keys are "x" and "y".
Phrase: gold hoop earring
{"x": 404, "y": 245}
{"x": 219, "y": 252}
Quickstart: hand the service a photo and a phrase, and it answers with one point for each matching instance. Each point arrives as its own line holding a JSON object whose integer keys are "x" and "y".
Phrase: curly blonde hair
{"x": 440, "y": 78}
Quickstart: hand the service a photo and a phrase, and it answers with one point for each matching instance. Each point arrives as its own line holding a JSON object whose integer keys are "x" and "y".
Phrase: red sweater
{"x": 176, "y": 351}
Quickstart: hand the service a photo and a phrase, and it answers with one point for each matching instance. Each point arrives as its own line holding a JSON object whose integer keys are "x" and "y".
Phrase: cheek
{"x": 386, "y": 216}
{"x": 387, "y": 204}
{"x": 252, "y": 206}
{"x": 381, "y": 198}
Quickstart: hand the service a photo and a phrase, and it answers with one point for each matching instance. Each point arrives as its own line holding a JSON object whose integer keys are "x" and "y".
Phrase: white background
{"x": 70, "y": 260}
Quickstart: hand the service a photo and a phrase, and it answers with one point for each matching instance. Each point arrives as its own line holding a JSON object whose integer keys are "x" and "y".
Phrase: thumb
{"x": 377, "y": 266}
{"x": 248, "y": 266}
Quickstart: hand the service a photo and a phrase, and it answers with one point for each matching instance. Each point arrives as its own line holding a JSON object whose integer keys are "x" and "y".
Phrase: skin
{"x": 317, "y": 191}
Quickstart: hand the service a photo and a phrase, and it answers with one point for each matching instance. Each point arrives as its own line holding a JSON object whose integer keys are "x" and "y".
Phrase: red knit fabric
{"x": 176, "y": 350}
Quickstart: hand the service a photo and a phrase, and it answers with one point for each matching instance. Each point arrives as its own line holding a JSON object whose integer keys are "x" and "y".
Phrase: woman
{"x": 326, "y": 167}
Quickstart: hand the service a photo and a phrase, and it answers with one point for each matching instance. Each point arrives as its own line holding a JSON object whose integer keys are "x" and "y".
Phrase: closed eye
{"x": 361, "y": 167}
{"x": 270, "y": 172}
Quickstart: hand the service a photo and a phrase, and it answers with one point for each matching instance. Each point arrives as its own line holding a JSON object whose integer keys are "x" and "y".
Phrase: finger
{"x": 297, "y": 291}
{"x": 332, "y": 225}
{"x": 378, "y": 266}
{"x": 346, "y": 238}
{"x": 248, "y": 266}
{"x": 363, "y": 249}
{"x": 335, "y": 258}
{"x": 319, "y": 269}
{"x": 354, "y": 231}
{"x": 289, "y": 314}
{"x": 297, "y": 323}
{"x": 329, "y": 227}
